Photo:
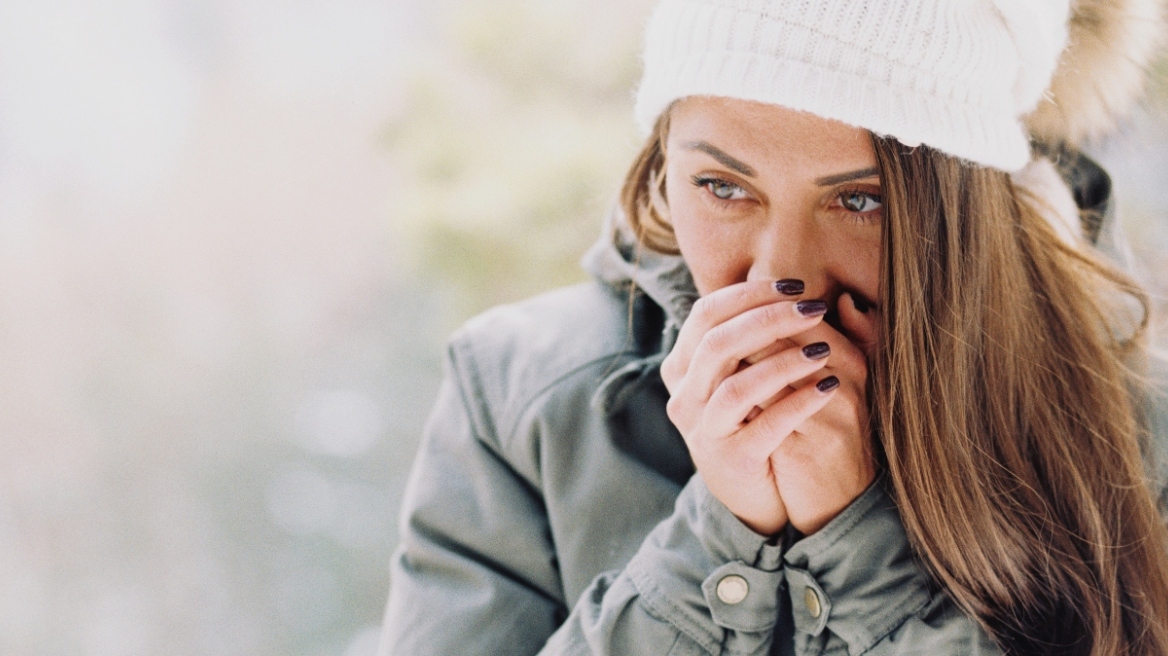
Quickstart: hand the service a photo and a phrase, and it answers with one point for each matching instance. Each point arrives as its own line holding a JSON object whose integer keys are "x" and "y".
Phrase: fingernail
{"x": 827, "y": 384}
{"x": 789, "y": 286}
{"x": 816, "y": 351}
{"x": 861, "y": 305}
{"x": 811, "y": 308}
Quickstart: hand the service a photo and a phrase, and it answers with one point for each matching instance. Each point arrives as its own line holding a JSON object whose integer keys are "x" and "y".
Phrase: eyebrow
{"x": 720, "y": 155}
{"x": 745, "y": 169}
{"x": 859, "y": 174}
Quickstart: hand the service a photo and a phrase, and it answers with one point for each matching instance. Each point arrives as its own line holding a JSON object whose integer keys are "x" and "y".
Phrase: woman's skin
{"x": 759, "y": 194}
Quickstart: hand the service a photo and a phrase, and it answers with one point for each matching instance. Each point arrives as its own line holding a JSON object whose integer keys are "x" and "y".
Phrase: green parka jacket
{"x": 553, "y": 507}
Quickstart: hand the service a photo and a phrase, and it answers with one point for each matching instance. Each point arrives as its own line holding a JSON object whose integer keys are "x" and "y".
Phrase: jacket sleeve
{"x": 856, "y": 588}
{"x": 476, "y": 572}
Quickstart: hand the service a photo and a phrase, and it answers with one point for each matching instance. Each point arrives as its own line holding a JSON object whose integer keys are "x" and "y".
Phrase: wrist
{"x": 765, "y": 515}
{"x": 766, "y": 528}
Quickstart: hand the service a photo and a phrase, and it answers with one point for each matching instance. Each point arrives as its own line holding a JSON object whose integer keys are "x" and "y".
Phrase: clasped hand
{"x": 771, "y": 401}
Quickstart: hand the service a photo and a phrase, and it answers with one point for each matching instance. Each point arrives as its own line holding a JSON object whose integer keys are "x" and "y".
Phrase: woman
{"x": 851, "y": 378}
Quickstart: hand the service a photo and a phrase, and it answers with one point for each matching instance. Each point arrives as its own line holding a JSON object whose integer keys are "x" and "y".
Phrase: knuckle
{"x": 669, "y": 374}
{"x": 740, "y": 295}
{"x": 718, "y": 339}
{"x": 792, "y": 358}
{"x": 732, "y": 392}
{"x": 775, "y": 312}
{"x": 704, "y": 307}
{"x": 787, "y": 366}
{"x": 775, "y": 421}
{"x": 809, "y": 402}
{"x": 712, "y": 306}
{"x": 675, "y": 410}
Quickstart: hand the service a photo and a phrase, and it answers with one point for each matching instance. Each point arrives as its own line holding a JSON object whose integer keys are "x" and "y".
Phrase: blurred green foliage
{"x": 512, "y": 144}
{"x": 1159, "y": 90}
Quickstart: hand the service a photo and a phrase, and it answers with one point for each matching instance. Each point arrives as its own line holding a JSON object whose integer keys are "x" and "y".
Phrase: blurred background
{"x": 233, "y": 238}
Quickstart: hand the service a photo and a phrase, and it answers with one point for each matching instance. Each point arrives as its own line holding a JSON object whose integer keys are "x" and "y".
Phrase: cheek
{"x": 713, "y": 247}
{"x": 855, "y": 261}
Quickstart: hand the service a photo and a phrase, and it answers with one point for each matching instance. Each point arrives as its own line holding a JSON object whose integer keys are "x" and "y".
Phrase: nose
{"x": 787, "y": 248}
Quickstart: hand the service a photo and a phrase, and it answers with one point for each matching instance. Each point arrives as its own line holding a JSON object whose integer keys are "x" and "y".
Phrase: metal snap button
{"x": 811, "y": 600}
{"x": 732, "y": 589}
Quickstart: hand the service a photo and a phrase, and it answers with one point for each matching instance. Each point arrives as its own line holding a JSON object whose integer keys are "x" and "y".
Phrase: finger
{"x": 859, "y": 321}
{"x": 768, "y": 351}
{"x": 717, "y": 307}
{"x": 736, "y": 398}
{"x": 766, "y": 433}
{"x": 781, "y": 394}
{"x": 722, "y": 349}
{"x": 847, "y": 360}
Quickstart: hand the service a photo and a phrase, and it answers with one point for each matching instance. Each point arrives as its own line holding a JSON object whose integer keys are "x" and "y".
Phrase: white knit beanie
{"x": 957, "y": 75}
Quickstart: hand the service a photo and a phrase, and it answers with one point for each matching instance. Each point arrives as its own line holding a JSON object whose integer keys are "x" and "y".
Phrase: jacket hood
{"x": 619, "y": 260}
{"x": 1103, "y": 70}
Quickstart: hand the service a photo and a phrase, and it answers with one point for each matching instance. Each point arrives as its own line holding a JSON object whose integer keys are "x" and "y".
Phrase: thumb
{"x": 859, "y": 320}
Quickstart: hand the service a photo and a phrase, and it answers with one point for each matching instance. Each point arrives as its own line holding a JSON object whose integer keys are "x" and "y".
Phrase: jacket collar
{"x": 655, "y": 282}
{"x": 620, "y": 261}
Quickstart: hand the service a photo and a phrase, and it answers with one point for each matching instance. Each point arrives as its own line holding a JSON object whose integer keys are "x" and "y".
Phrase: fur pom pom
{"x": 1112, "y": 44}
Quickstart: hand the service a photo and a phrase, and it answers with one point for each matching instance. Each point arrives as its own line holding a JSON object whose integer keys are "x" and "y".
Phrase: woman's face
{"x": 757, "y": 191}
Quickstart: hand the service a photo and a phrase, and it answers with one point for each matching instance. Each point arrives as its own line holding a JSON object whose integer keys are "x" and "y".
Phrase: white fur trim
{"x": 1104, "y": 69}
{"x": 1056, "y": 202}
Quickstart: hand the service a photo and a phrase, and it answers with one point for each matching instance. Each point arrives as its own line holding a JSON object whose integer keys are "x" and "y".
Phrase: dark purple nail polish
{"x": 861, "y": 304}
{"x": 789, "y": 286}
{"x": 827, "y": 384}
{"x": 811, "y": 308}
{"x": 817, "y": 351}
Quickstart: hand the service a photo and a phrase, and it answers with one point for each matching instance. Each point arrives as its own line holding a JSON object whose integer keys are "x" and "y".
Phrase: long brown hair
{"x": 1007, "y": 418}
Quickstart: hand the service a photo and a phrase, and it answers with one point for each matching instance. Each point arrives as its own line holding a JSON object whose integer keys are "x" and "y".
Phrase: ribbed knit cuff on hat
{"x": 937, "y": 72}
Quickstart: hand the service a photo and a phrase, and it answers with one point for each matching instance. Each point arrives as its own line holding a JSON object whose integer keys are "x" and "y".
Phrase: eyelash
{"x": 860, "y": 217}
{"x": 704, "y": 181}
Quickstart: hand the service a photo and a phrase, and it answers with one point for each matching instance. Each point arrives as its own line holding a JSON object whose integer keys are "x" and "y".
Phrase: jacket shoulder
{"x": 511, "y": 355}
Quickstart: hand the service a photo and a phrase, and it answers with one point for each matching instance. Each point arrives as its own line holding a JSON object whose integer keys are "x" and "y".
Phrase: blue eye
{"x": 721, "y": 189}
{"x": 859, "y": 202}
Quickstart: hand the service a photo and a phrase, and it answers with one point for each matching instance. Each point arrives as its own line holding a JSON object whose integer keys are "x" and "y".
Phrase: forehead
{"x": 765, "y": 135}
